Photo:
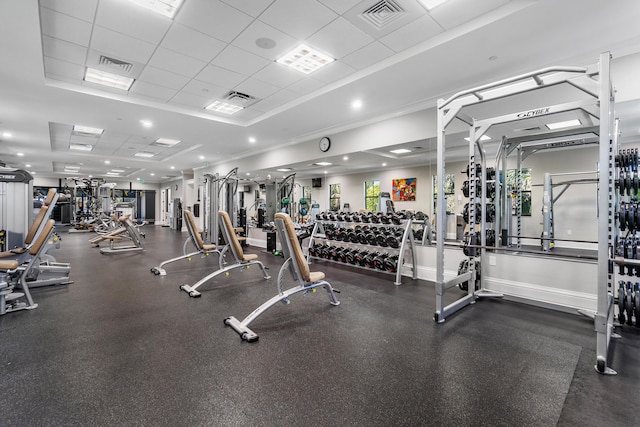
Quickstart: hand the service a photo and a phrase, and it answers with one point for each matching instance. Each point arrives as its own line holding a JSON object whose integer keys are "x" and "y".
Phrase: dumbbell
{"x": 368, "y": 259}
{"x": 391, "y": 264}
{"x": 378, "y": 261}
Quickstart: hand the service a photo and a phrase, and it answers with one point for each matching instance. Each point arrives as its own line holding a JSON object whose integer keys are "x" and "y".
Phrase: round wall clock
{"x": 325, "y": 144}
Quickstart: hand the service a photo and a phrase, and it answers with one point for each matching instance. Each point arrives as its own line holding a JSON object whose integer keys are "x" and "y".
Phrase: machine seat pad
{"x": 316, "y": 276}
{"x": 208, "y": 247}
{"x": 9, "y": 265}
{"x": 249, "y": 257}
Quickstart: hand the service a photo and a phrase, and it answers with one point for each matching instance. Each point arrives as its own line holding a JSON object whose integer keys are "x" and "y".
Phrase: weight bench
{"x": 132, "y": 234}
{"x": 297, "y": 265}
{"x": 241, "y": 260}
{"x": 15, "y": 273}
{"x": 194, "y": 237}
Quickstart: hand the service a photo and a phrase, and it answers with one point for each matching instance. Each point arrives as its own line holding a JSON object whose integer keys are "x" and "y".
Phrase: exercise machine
{"x": 240, "y": 259}
{"x": 204, "y": 250}
{"x": 128, "y": 231}
{"x": 16, "y": 201}
{"x": 296, "y": 264}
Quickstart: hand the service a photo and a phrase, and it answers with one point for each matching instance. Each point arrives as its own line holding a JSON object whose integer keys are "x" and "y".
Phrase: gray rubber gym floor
{"x": 121, "y": 346}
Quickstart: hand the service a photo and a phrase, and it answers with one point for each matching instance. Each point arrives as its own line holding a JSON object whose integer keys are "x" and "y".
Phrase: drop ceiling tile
{"x": 340, "y": 6}
{"x": 278, "y": 75}
{"x": 257, "y": 30}
{"x": 456, "y": 12}
{"x": 240, "y": 61}
{"x": 176, "y": 62}
{"x": 132, "y": 20}
{"x": 64, "y": 51}
{"x": 367, "y": 56}
{"x": 152, "y": 91}
{"x": 163, "y": 78}
{"x": 339, "y": 38}
{"x": 305, "y": 86}
{"x": 416, "y": 32}
{"x": 298, "y": 18}
{"x": 220, "y": 77}
{"x": 62, "y": 70}
{"x": 333, "y": 72}
{"x": 214, "y": 18}
{"x": 121, "y": 46}
{"x": 65, "y": 27}
{"x": 192, "y": 43}
{"x": 278, "y": 99}
{"x": 84, "y": 10}
{"x": 248, "y": 113}
{"x": 256, "y": 88}
{"x": 185, "y": 99}
{"x": 250, "y": 7}
{"x": 207, "y": 90}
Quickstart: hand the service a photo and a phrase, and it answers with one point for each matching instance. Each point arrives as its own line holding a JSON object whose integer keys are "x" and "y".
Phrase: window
{"x": 525, "y": 187}
{"x": 306, "y": 193}
{"x": 334, "y": 197}
{"x": 449, "y": 193}
{"x": 371, "y": 195}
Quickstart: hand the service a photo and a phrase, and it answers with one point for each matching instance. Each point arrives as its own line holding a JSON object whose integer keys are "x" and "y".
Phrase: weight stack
{"x": 271, "y": 241}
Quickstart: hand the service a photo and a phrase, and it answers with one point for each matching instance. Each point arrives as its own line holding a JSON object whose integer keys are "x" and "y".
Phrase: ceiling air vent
{"x": 115, "y": 63}
{"x": 383, "y": 13}
{"x": 239, "y": 98}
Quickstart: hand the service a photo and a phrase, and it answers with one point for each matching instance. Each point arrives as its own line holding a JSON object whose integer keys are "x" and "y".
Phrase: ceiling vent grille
{"x": 115, "y": 63}
{"x": 239, "y": 98}
{"x": 383, "y": 13}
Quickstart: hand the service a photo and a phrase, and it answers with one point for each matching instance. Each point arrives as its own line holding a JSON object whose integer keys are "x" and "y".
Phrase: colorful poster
{"x": 404, "y": 190}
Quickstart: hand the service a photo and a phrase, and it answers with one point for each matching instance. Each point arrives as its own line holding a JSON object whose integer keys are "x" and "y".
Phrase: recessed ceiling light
{"x": 400, "y": 151}
{"x": 20, "y": 154}
{"x": 90, "y": 176}
{"x": 72, "y": 167}
{"x": 118, "y": 170}
{"x": 325, "y": 172}
{"x": 27, "y": 166}
{"x": 81, "y": 147}
{"x": 146, "y": 123}
{"x": 7, "y": 134}
{"x": 113, "y": 173}
{"x": 482, "y": 138}
{"x": 345, "y": 158}
{"x": 223, "y": 107}
{"x": 32, "y": 172}
{"x": 144, "y": 154}
{"x": 168, "y": 8}
{"x": 357, "y": 104}
{"x": 384, "y": 164}
{"x": 322, "y": 164}
{"x": 248, "y": 173}
{"x": 104, "y": 78}
{"x": 305, "y": 59}
{"x": 138, "y": 178}
{"x": 152, "y": 174}
{"x": 565, "y": 124}
{"x": 252, "y": 140}
{"x": 284, "y": 170}
{"x": 166, "y": 142}
{"x": 430, "y": 4}
{"x": 201, "y": 157}
{"x": 87, "y": 129}
{"x": 172, "y": 167}
{"x": 107, "y": 162}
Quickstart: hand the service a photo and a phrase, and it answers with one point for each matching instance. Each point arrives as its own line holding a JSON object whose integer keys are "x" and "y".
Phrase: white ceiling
{"x": 212, "y": 47}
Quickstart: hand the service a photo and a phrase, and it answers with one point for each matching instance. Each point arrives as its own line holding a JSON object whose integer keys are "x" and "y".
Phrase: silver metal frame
{"x": 594, "y": 81}
{"x": 242, "y": 327}
{"x": 229, "y": 235}
{"x": 132, "y": 233}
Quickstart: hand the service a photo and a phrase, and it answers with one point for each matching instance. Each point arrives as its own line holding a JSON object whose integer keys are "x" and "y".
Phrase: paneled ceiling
{"x": 395, "y": 56}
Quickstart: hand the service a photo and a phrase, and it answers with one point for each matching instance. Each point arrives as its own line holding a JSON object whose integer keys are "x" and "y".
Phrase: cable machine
{"x": 592, "y": 83}
{"x": 219, "y": 194}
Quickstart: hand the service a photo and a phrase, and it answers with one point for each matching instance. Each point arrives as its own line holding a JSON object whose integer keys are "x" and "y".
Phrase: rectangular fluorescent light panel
{"x": 87, "y": 129}
{"x": 144, "y": 154}
{"x": 117, "y": 170}
{"x": 565, "y": 124}
{"x": 430, "y": 4}
{"x": 482, "y": 138}
{"x": 400, "y": 151}
{"x": 284, "y": 170}
{"x": 81, "y": 147}
{"x": 305, "y": 59}
{"x": 113, "y": 173}
{"x": 167, "y": 8}
{"x": 322, "y": 164}
{"x": 166, "y": 142}
{"x": 223, "y": 107}
{"x": 104, "y": 78}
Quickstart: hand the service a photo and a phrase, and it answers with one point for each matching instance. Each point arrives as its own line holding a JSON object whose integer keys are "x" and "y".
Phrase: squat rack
{"x": 595, "y": 82}
{"x": 219, "y": 194}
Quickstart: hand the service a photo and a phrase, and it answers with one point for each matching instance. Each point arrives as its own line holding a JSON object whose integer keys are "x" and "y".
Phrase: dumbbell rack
{"x": 406, "y": 244}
